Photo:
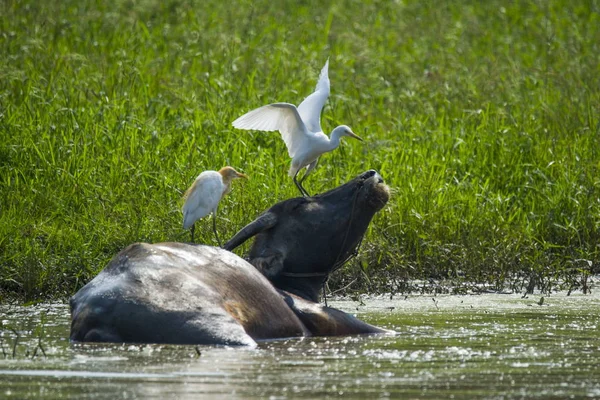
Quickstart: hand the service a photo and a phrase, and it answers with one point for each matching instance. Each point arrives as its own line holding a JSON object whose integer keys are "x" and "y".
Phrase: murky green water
{"x": 489, "y": 346}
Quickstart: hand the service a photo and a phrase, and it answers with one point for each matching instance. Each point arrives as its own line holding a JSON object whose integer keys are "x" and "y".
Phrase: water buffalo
{"x": 196, "y": 294}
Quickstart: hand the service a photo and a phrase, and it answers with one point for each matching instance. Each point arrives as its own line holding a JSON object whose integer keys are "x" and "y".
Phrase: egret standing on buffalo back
{"x": 203, "y": 197}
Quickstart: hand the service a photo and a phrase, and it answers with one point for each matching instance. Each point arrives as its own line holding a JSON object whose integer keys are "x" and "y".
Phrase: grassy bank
{"x": 482, "y": 117}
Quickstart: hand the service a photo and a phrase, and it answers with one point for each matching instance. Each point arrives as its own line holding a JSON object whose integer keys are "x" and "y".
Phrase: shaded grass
{"x": 482, "y": 117}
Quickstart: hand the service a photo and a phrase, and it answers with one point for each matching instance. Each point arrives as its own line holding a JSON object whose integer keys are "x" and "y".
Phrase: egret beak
{"x": 354, "y": 135}
{"x": 240, "y": 175}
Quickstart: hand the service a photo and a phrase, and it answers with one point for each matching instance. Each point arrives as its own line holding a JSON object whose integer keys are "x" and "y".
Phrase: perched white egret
{"x": 300, "y": 128}
{"x": 203, "y": 197}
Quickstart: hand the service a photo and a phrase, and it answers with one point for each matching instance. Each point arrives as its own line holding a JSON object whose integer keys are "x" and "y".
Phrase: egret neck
{"x": 336, "y": 136}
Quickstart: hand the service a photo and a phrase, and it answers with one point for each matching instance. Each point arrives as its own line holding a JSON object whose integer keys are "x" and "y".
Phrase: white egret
{"x": 203, "y": 197}
{"x": 300, "y": 128}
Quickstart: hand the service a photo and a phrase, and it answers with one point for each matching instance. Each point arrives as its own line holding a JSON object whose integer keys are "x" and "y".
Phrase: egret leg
{"x": 192, "y": 230}
{"x": 309, "y": 169}
{"x": 215, "y": 229}
{"x": 299, "y": 186}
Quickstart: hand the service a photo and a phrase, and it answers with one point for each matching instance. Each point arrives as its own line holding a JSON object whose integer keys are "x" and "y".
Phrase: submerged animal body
{"x": 183, "y": 294}
{"x": 205, "y": 194}
{"x": 196, "y": 294}
{"x": 300, "y": 128}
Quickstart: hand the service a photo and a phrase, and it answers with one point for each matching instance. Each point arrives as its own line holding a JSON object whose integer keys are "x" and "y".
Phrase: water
{"x": 488, "y": 346}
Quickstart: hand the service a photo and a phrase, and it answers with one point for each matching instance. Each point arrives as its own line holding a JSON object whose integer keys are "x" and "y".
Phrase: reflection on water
{"x": 490, "y": 346}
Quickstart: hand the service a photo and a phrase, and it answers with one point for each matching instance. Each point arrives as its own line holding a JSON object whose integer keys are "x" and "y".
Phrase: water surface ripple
{"x": 478, "y": 346}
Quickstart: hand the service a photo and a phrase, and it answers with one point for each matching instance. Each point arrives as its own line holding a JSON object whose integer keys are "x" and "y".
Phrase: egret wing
{"x": 282, "y": 117}
{"x": 310, "y": 108}
{"x": 202, "y": 197}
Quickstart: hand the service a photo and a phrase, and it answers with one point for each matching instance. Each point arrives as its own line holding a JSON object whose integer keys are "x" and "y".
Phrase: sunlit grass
{"x": 481, "y": 116}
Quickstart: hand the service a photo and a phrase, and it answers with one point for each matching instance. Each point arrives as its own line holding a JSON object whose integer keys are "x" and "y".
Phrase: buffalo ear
{"x": 263, "y": 222}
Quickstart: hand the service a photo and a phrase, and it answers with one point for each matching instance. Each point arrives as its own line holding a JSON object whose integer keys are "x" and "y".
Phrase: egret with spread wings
{"x": 300, "y": 128}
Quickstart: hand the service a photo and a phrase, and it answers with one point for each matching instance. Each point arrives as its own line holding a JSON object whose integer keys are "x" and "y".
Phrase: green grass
{"x": 481, "y": 116}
